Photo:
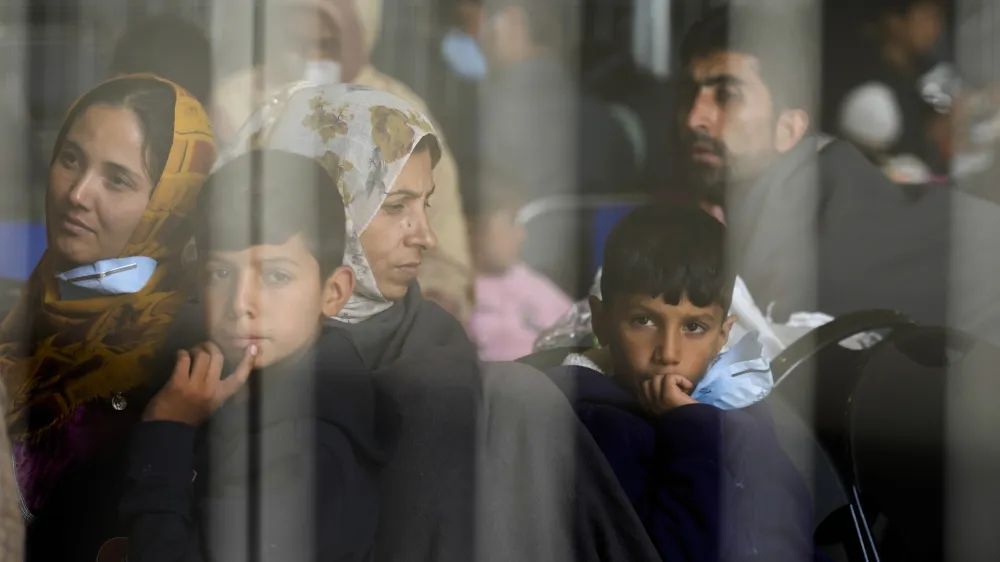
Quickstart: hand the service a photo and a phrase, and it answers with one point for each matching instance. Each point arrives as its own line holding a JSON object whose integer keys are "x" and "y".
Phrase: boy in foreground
{"x": 270, "y": 272}
{"x": 679, "y": 417}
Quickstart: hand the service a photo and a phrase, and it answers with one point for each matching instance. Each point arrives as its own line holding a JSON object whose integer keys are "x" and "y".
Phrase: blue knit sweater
{"x": 709, "y": 484}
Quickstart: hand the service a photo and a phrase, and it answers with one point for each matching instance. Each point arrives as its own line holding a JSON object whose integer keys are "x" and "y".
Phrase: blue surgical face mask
{"x": 738, "y": 378}
{"x": 464, "y": 55}
{"x": 119, "y": 276}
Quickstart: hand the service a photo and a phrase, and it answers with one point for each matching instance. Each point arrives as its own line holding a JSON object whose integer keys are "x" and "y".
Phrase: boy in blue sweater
{"x": 677, "y": 414}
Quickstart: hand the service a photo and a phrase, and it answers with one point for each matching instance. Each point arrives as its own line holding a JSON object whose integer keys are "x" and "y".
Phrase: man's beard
{"x": 709, "y": 181}
{"x": 713, "y": 182}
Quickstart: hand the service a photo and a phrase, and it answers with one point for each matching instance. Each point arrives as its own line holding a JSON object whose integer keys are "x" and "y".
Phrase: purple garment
{"x": 94, "y": 431}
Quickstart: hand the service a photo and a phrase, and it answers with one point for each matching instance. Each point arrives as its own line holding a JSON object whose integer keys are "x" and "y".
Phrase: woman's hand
{"x": 663, "y": 393}
{"x": 196, "y": 389}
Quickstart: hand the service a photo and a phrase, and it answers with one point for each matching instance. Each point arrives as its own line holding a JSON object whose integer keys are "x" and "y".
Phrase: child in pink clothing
{"x": 511, "y": 310}
{"x": 514, "y": 303}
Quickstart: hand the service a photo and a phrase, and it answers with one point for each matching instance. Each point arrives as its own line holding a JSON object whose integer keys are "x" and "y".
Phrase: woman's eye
{"x": 276, "y": 277}
{"x": 218, "y": 274}
{"x": 68, "y": 158}
{"x": 642, "y": 321}
{"x": 120, "y": 182}
{"x": 394, "y": 209}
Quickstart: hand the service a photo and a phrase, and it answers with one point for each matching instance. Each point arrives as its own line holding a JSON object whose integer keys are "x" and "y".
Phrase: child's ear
{"x": 727, "y": 326}
{"x": 337, "y": 290}
{"x": 599, "y": 320}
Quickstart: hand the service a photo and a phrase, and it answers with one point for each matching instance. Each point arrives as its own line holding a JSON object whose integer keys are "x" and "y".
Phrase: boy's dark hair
{"x": 668, "y": 251}
{"x": 267, "y": 197}
{"x": 766, "y": 35}
{"x": 169, "y": 47}
{"x": 490, "y": 191}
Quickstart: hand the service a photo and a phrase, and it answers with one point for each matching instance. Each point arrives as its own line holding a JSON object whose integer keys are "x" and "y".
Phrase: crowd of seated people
{"x": 284, "y": 337}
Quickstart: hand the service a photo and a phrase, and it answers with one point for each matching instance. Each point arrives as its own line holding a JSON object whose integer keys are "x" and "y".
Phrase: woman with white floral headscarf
{"x": 492, "y": 463}
{"x": 330, "y": 42}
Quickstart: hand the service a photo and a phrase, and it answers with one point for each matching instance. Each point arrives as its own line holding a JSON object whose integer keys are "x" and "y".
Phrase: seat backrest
{"x": 560, "y": 233}
{"x": 816, "y": 375}
{"x": 922, "y": 433}
{"x": 602, "y": 222}
{"x": 828, "y": 491}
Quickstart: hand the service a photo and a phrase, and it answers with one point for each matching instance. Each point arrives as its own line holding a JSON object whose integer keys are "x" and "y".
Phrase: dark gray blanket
{"x": 492, "y": 464}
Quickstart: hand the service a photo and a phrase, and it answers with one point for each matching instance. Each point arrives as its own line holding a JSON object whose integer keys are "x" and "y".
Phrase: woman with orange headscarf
{"x": 77, "y": 351}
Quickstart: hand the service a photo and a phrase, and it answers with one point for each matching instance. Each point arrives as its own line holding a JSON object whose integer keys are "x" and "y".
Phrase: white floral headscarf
{"x": 363, "y": 137}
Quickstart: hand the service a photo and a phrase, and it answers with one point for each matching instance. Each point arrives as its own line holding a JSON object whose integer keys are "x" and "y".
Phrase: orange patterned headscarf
{"x": 56, "y": 355}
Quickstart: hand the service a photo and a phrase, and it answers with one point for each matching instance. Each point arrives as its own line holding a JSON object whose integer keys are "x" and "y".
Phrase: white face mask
{"x": 321, "y": 72}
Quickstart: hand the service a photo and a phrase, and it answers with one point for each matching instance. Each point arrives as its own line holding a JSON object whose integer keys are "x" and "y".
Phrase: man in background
{"x": 813, "y": 225}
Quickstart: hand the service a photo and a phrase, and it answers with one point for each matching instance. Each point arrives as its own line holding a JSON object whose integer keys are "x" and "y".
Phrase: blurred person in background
{"x": 870, "y": 117}
{"x": 76, "y": 350}
{"x": 333, "y": 41}
{"x": 976, "y": 111}
{"x": 899, "y": 47}
{"x": 459, "y": 47}
{"x": 909, "y": 34}
{"x": 539, "y": 128}
{"x": 514, "y": 303}
{"x": 170, "y": 47}
{"x": 813, "y": 225}
{"x": 460, "y": 72}
{"x": 536, "y": 122}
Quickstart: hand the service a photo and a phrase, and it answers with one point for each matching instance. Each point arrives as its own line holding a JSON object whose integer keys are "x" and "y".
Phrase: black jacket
{"x": 324, "y": 432}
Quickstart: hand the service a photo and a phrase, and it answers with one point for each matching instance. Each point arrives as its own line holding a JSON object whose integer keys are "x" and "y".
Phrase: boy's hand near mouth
{"x": 196, "y": 389}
